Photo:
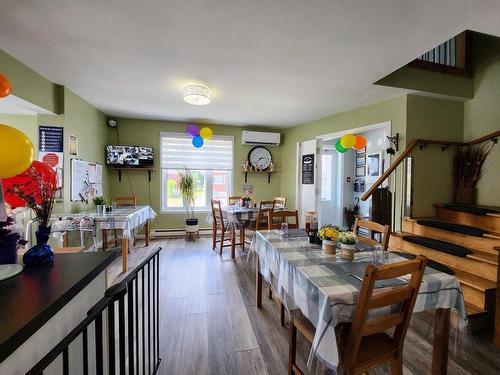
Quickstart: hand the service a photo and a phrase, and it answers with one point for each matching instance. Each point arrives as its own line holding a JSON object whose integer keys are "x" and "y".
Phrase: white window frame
{"x": 208, "y": 176}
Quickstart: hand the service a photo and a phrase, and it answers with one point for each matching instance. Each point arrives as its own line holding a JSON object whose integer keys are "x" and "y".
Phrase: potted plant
{"x": 100, "y": 205}
{"x": 329, "y": 234}
{"x": 347, "y": 242}
{"x": 185, "y": 185}
{"x": 245, "y": 201}
{"x": 468, "y": 167}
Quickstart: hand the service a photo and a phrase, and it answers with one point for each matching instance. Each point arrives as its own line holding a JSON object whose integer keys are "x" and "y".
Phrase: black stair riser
{"x": 452, "y": 227}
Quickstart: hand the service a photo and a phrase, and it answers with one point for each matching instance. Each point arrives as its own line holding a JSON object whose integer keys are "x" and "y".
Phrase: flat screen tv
{"x": 130, "y": 156}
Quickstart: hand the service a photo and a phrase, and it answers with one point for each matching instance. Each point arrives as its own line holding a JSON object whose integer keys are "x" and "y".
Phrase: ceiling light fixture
{"x": 196, "y": 94}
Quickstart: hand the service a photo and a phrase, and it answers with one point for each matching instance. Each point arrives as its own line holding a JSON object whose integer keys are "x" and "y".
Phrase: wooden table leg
{"x": 104, "y": 239}
{"x": 233, "y": 242}
{"x": 440, "y": 342}
{"x": 258, "y": 284}
{"x": 147, "y": 234}
{"x": 124, "y": 254}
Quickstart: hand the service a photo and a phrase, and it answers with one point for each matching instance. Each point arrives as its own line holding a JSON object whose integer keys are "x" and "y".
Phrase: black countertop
{"x": 30, "y": 299}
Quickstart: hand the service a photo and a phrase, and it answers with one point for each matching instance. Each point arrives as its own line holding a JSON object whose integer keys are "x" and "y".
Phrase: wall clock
{"x": 260, "y": 157}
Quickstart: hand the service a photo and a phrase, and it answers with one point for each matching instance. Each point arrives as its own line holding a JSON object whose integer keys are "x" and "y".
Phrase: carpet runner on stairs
{"x": 476, "y": 210}
{"x": 453, "y": 227}
{"x": 438, "y": 245}
{"x": 430, "y": 263}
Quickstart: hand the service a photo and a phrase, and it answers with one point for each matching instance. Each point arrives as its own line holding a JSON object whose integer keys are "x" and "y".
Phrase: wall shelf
{"x": 258, "y": 172}
{"x": 141, "y": 169}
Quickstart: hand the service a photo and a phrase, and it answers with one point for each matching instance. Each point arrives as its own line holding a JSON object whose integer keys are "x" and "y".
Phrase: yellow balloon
{"x": 16, "y": 152}
{"x": 206, "y": 133}
{"x": 347, "y": 140}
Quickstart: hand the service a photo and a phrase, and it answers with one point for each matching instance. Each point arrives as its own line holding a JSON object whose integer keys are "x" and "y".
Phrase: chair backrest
{"x": 217, "y": 212}
{"x": 262, "y": 218}
{"x": 126, "y": 201}
{"x": 282, "y": 216}
{"x": 373, "y": 228}
{"x": 280, "y": 201}
{"x": 234, "y": 199}
{"x": 402, "y": 297}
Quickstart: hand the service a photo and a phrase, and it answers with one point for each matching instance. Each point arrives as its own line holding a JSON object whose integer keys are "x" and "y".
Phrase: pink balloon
{"x": 193, "y": 130}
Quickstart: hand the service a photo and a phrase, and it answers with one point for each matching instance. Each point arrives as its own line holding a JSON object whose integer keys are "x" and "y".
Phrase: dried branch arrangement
{"x": 468, "y": 165}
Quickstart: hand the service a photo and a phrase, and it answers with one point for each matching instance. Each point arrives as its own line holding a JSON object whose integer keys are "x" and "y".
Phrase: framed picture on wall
{"x": 361, "y": 151}
{"x": 73, "y": 145}
{"x": 360, "y": 160}
{"x": 360, "y": 171}
{"x": 374, "y": 163}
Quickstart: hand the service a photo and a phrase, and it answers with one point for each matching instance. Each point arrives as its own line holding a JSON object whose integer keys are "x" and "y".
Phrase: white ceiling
{"x": 273, "y": 62}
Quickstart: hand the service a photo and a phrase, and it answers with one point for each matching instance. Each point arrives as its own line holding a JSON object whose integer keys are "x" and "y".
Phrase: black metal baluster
{"x": 143, "y": 326}
{"x": 154, "y": 313}
{"x": 65, "y": 361}
{"x": 121, "y": 333}
{"x": 98, "y": 345}
{"x": 111, "y": 338}
{"x": 158, "y": 307}
{"x": 130, "y": 321}
{"x": 85, "y": 352}
{"x": 137, "y": 324}
{"x": 149, "y": 320}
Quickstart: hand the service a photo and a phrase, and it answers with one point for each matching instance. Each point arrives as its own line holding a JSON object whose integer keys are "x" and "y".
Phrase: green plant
{"x": 99, "y": 201}
{"x": 468, "y": 165}
{"x": 347, "y": 238}
{"x": 185, "y": 184}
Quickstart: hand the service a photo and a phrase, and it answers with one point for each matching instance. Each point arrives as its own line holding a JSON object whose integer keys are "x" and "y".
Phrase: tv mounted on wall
{"x": 130, "y": 156}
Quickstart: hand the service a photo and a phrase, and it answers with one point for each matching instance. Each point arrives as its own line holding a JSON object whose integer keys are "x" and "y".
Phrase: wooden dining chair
{"x": 233, "y": 199}
{"x": 374, "y": 230}
{"x": 364, "y": 344}
{"x": 282, "y": 217}
{"x": 220, "y": 225}
{"x": 280, "y": 202}
{"x": 120, "y": 202}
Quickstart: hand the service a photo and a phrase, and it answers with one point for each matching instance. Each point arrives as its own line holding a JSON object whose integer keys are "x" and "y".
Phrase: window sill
{"x": 181, "y": 212}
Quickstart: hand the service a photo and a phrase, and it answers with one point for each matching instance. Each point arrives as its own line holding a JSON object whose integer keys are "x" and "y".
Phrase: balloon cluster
{"x": 199, "y": 135}
{"x": 348, "y": 141}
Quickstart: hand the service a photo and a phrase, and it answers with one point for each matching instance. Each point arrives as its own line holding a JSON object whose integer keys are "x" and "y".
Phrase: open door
{"x": 307, "y": 178}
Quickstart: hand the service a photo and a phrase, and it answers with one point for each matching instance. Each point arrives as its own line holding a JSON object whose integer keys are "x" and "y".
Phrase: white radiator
{"x": 177, "y": 232}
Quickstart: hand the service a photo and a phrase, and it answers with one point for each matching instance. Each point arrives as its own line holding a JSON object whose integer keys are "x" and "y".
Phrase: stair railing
{"x": 489, "y": 137}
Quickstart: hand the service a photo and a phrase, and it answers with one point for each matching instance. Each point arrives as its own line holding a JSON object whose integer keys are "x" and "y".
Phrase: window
{"x": 210, "y": 165}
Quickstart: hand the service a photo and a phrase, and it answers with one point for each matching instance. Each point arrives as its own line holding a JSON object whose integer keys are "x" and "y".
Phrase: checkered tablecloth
{"x": 125, "y": 218}
{"x": 305, "y": 278}
{"x": 238, "y": 215}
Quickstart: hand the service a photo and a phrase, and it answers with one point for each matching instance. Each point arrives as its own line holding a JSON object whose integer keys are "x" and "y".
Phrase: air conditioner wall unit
{"x": 260, "y": 138}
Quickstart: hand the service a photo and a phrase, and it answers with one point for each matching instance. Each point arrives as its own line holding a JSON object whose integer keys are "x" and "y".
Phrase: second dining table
{"x": 322, "y": 287}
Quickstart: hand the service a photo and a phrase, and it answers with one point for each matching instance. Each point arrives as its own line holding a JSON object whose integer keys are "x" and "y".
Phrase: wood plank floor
{"x": 210, "y": 325}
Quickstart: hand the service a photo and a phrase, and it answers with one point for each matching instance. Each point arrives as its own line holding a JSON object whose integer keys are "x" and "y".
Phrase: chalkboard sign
{"x": 308, "y": 169}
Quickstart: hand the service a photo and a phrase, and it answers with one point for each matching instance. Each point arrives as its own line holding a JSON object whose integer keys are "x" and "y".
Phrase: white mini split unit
{"x": 260, "y": 138}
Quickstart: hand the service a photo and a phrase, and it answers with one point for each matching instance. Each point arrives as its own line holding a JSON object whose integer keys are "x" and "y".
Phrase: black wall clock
{"x": 260, "y": 158}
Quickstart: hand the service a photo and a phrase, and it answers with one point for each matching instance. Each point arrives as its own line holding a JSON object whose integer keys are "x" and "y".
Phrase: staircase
{"x": 463, "y": 240}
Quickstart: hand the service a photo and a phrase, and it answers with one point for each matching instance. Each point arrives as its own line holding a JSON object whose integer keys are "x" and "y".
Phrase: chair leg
{"x": 270, "y": 292}
{"x": 292, "y": 347}
{"x": 242, "y": 238}
{"x": 104, "y": 239}
{"x": 221, "y": 241}
{"x": 397, "y": 366}
{"x": 116, "y": 237}
{"x": 282, "y": 314}
{"x": 214, "y": 237}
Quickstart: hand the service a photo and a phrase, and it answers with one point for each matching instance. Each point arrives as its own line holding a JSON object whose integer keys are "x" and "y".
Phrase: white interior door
{"x": 307, "y": 178}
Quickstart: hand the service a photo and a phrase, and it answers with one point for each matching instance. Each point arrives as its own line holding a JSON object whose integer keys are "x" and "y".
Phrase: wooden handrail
{"x": 410, "y": 148}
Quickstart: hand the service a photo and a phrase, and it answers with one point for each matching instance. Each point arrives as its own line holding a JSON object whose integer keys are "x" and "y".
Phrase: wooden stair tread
{"x": 473, "y": 309}
{"x": 485, "y": 257}
{"x": 489, "y": 222}
{"x": 472, "y": 280}
{"x": 492, "y": 235}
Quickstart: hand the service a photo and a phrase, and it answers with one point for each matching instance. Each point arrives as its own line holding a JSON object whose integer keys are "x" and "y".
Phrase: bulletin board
{"x": 86, "y": 180}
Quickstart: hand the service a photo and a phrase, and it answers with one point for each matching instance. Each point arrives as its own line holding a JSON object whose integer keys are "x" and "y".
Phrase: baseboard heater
{"x": 176, "y": 232}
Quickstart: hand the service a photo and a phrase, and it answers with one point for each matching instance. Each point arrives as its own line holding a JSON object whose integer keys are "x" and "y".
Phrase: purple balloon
{"x": 193, "y": 130}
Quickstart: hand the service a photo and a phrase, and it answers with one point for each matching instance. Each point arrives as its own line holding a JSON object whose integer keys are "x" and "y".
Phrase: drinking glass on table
{"x": 378, "y": 254}
{"x": 284, "y": 229}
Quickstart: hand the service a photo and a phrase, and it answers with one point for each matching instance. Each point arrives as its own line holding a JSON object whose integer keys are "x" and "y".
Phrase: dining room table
{"x": 238, "y": 218}
{"x": 325, "y": 288}
{"x": 125, "y": 218}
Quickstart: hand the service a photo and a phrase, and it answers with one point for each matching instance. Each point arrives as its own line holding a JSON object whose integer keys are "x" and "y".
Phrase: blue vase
{"x": 42, "y": 252}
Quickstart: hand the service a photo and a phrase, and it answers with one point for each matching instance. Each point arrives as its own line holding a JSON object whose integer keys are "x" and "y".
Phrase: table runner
{"x": 301, "y": 280}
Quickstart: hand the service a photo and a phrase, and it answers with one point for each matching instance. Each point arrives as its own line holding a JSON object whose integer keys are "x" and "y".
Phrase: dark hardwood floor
{"x": 210, "y": 325}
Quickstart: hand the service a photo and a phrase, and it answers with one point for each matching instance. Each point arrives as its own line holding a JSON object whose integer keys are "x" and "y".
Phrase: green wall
{"x": 436, "y": 119}
{"x": 147, "y": 133}
{"x": 482, "y": 114}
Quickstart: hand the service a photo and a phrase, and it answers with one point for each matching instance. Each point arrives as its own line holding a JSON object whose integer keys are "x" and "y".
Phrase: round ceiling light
{"x": 196, "y": 94}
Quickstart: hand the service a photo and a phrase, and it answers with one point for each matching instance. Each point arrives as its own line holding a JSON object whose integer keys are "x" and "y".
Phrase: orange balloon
{"x": 359, "y": 143}
{"x": 5, "y": 86}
